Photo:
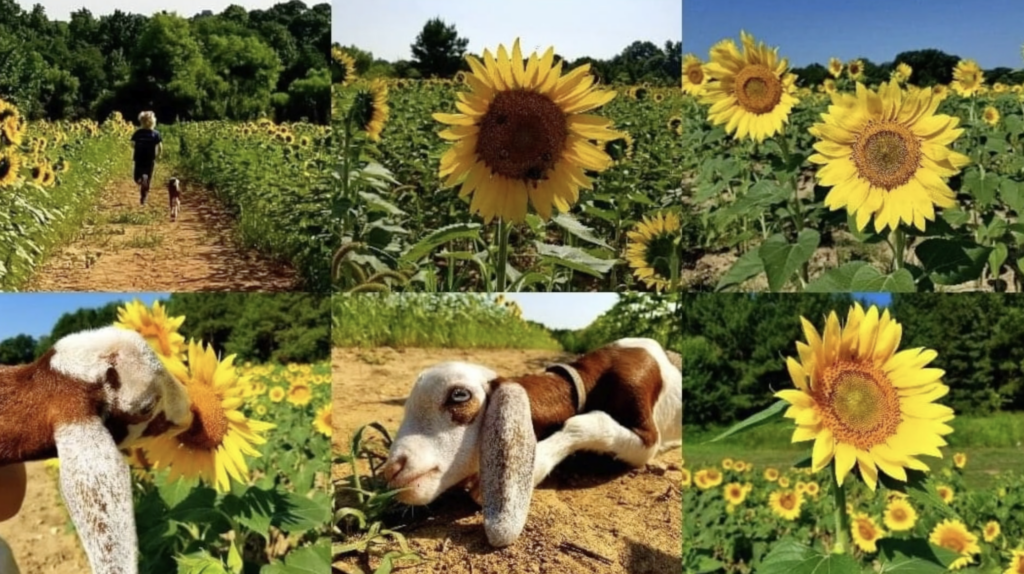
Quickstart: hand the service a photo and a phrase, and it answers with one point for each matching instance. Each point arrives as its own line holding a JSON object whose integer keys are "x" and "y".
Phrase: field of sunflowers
{"x": 234, "y": 493}
{"x": 50, "y": 174}
{"x": 847, "y": 186}
{"x": 578, "y": 188}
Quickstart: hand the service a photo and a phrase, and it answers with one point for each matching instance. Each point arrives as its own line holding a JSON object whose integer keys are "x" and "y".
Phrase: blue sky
{"x": 36, "y": 313}
{"x": 596, "y": 28}
{"x": 62, "y": 9}
{"x": 808, "y": 31}
{"x": 879, "y": 299}
{"x": 563, "y": 310}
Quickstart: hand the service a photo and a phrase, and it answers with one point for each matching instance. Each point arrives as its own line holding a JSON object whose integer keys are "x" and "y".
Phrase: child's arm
{"x": 159, "y": 149}
{"x": 12, "y": 490}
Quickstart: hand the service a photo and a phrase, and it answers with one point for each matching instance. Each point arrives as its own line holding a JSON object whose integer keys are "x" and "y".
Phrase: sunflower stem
{"x": 899, "y": 248}
{"x": 504, "y": 230}
{"x": 841, "y": 519}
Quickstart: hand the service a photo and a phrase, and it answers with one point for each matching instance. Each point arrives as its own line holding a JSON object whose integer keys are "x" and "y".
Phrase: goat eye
{"x": 459, "y": 396}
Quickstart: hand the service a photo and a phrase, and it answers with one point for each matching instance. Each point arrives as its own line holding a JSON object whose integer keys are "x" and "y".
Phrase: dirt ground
{"x": 128, "y": 247}
{"x": 38, "y": 535}
{"x": 592, "y": 515}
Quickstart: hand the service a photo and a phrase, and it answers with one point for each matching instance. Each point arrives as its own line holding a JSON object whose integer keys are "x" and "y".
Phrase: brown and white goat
{"x": 174, "y": 194}
{"x": 89, "y": 394}
{"x": 464, "y": 424}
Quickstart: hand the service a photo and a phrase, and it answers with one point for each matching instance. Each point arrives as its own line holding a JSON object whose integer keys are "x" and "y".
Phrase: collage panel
{"x": 170, "y": 146}
{"x": 826, "y": 158}
{"x": 158, "y": 433}
{"x": 492, "y": 147}
{"x": 853, "y": 433}
{"x": 461, "y": 431}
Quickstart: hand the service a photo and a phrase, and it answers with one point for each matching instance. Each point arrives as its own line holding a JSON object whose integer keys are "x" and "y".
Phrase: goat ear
{"x": 507, "y": 448}
{"x": 96, "y": 485}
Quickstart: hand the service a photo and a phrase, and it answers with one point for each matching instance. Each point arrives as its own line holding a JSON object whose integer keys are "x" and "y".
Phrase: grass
{"x": 144, "y": 241}
{"x": 133, "y": 218}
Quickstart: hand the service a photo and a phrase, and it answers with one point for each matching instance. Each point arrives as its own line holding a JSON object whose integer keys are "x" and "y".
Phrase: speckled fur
{"x": 507, "y": 447}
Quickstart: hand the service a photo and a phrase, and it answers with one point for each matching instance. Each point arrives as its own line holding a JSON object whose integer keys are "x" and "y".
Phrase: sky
{"x": 809, "y": 31}
{"x": 36, "y": 313}
{"x": 62, "y": 9}
{"x": 576, "y": 28}
{"x": 563, "y": 310}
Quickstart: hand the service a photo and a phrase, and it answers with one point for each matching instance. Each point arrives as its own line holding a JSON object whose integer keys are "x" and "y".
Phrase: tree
{"x": 17, "y": 350}
{"x": 438, "y": 51}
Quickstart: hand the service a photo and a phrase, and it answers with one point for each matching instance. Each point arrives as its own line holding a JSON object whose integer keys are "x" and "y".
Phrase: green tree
{"x": 17, "y": 350}
{"x": 438, "y": 51}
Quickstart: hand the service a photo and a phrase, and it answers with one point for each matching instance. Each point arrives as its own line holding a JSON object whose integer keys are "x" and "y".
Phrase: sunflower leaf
{"x": 951, "y": 262}
{"x": 754, "y": 421}
{"x": 440, "y": 237}
{"x": 574, "y": 258}
{"x": 574, "y": 227}
{"x": 914, "y": 556}
{"x": 746, "y": 267}
{"x": 789, "y": 557}
{"x": 861, "y": 277}
{"x": 782, "y": 259}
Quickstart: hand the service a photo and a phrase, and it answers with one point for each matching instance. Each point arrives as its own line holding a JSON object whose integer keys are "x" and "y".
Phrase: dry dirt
{"x": 592, "y": 515}
{"x": 38, "y": 535}
{"x": 128, "y": 247}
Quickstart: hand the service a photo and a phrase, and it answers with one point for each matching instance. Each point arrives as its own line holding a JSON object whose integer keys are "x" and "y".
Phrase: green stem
{"x": 841, "y": 519}
{"x": 504, "y": 230}
{"x": 899, "y": 248}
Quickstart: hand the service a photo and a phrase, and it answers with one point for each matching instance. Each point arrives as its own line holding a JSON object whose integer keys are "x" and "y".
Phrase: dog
{"x": 174, "y": 193}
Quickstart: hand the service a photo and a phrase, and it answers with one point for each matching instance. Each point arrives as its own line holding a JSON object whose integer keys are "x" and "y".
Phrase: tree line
{"x": 633, "y": 315}
{"x": 439, "y": 52}
{"x": 930, "y": 67}
{"x": 286, "y": 327}
{"x": 734, "y": 348}
{"x": 237, "y": 65}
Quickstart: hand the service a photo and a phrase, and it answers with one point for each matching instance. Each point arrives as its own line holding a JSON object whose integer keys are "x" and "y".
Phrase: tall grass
{"x": 434, "y": 320}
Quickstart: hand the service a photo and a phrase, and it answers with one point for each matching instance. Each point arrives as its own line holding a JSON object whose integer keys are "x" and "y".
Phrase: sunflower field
{"x": 276, "y": 179}
{"x": 517, "y": 175}
{"x": 845, "y": 186}
{"x": 233, "y": 493}
{"x": 50, "y": 174}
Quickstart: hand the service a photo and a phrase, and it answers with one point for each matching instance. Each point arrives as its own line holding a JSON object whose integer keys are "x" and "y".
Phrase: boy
{"x": 148, "y": 146}
{"x": 12, "y": 495}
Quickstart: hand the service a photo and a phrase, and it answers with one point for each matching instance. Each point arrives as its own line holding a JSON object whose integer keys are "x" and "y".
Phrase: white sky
{"x": 576, "y": 28}
{"x": 563, "y": 310}
{"x": 62, "y": 9}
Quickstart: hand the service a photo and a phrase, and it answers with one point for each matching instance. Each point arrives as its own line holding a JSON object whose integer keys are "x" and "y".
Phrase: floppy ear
{"x": 96, "y": 485}
{"x": 7, "y": 563}
{"x": 507, "y": 447}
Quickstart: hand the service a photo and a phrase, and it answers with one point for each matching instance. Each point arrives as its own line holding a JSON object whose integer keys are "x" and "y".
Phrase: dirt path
{"x": 128, "y": 247}
{"x": 631, "y": 518}
{"x": 39, "y": 534}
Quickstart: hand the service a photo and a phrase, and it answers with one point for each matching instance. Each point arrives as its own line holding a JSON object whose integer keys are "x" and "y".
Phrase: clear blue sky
{"x": 36, "y": 313}
{"x": 576, "y": 28}
{"x": 879, "y": 299}
{"x": 563, "y": 310}
{"x": 808, "y": 31}
{"x": 62, "y": 9}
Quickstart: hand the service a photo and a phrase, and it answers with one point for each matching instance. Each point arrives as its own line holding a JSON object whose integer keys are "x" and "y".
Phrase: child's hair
{"x": 147, "y": 120}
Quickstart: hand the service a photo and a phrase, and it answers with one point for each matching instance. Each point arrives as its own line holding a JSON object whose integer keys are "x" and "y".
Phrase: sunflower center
{"x": 899, "y": 515}
{"x": 788, "y": 501}
{"x": 887, "y": 154}
{"x": 757, "y": 89}
{"x": 695, "y": 75}
{"x": 299, "y": 393}
{"x": 953, "y": 540}
{"x": 861, "y": 406}
{"x": 209, "y": 423}
{"x": 867, "y": 532}
{"x": 522, "y": 135}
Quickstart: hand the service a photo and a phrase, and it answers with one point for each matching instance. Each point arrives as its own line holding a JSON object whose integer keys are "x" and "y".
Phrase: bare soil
{"x": 592, "y": 515}
{"x": 39, "y": 535}
{"x": 128, "y": 247}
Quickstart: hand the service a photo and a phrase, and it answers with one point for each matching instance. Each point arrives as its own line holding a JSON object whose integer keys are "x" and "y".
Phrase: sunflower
{"x": 39, "y": 173}
{"x": 959, "y": 460}
{"x": 990, "y": 115}
{"x": 708, "y": 478}
{"x": 522, "y": 135}
{"x": 940, "y": 90}
{"x": 159, "y": 329}
{"x": 866, "y": 532}
{"x": 620, "y": 149}
{"x": 812, "y": 489}
{"x": 63, "y": 166}
{"x": 638, "y": 93}
{"x": 945, "y": 493}
{"x": 694, "y": 76}
{"x": 1016, "y": 563}
{"x": 370, "y": 109}
{"x": 829, "y": 86}
{"x": 10, "y": 165}
{"x": 727, "y": 463}
{"x": 899, "y": 515}
{"x": 786, "y": 503}
{"x": 855, "y": 69}
{"x": 49, "y": 177}
{"x": 861, "y": 402}
{"x": 299, "y": 393}
{"x": 904, "y": 70}
{"x": 686, "y": 481}
{"x": 750, "y": 93}
{"x": 138, "y": 463}
{"x": 213, "y": 448}
{"x": 967, "y": 78}
{"x": 991, "y": 531}
{"x": 347, "y": 65}
{"x": 884, "y": 155}
{"x": 735, "y": 493}
{"x": 322, "y": 422}
{"x": 659, "y": 97}
{"x": 652, "y": 245}
{"x": 675, "y": 124}
{"x": 261, "y": 410}
{"x": 770, "y": 474}
{"x": 11, "y": 128}
{"x": 1000, "y": 88}
{"x": 784, "y": 481}
{"x": 953, "y": 535}
{"x": 835, "y": 67}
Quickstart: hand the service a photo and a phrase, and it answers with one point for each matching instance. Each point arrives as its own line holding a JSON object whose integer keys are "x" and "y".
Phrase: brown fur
{"x": 623, "y": 382}
{"x": 463, "y": 413}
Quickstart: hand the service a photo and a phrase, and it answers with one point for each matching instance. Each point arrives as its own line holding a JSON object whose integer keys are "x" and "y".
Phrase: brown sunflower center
{"x": 854, "y": 69}
{"x": 522, "y": 135}
{"x": 758, "y": 89}
{"x": 887, "y": 154}
{"x": 788, "y": 501}
{"x": 209, "y": 423}
{"x": 362, "y": 110}
{"x": 299, "y": 393}
{"x": 899, "y": 515}
{"x": 861, "y": 407}
{"x": 695, "y": 75}
{"x": 953, "y": 540}
{"x": 734, "y": 492}
{"x": 867, "y": 531}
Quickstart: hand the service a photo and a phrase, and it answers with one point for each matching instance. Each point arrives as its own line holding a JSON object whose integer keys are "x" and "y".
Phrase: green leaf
{"x": 860, "y": 277}
{"x": 782, "y": 259}
{"x": 746, "y": 267}
{"x": 709, "y": 565}
{"x": 1012, "y": 194}
{"x": 574, "y": 258}
{"x": 914, "y": 556}
{"x": 789, "y": 557}
{"x": 434, "y": 240}
{"x": 997, "y": 258}
{"x": 299, "y": 514}
{"x": 983, "y": 190}
{"x": 235, "y": 559}
{"x": 306, "y": 560}
{"x": 574, "y": 227}
{"x": 754, "y": 420}
{"x": 950, "y": 262}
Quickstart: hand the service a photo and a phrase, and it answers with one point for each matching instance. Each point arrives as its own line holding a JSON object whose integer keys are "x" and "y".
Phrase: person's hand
{"x": 12, "y": 490}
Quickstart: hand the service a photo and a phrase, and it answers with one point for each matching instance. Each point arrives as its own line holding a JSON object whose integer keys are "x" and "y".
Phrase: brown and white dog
{"x": 174, "y": 193}
{"x": 91, "y": 393}
{"x": 465, "y": 425}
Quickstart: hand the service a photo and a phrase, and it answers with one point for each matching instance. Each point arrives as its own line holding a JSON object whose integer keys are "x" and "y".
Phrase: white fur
{"x": 7, "y": 563}
{"x": 96, "y": 485}
{"x": 668, "y": 409}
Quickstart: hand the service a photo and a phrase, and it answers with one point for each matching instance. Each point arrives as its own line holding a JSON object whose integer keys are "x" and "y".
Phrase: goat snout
{"x": 394, "y": 466}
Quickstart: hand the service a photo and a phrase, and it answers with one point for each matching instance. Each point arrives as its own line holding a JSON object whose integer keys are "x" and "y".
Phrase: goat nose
{"x": 395, "y": 466}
